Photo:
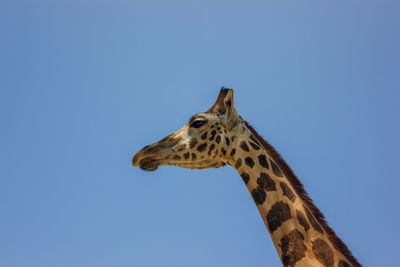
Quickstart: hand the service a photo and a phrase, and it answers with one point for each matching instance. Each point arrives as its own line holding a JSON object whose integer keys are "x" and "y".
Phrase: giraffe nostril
{"x": 148, "y": 149}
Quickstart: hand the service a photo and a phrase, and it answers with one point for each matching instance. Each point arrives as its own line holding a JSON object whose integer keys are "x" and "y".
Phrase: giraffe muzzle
{"x": 148, "y": 164}
{"x": 145, "y": 163}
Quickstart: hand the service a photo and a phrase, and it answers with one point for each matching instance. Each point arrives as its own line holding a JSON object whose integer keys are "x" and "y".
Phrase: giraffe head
{"x": 201, "y": 143}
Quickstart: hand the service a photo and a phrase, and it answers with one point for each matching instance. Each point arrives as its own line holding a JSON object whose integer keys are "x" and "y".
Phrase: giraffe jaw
{"x": 151, "y": 163}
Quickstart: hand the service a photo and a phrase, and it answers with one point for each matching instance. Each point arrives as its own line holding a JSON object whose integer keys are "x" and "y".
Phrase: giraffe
{"x": 219, "y": 137}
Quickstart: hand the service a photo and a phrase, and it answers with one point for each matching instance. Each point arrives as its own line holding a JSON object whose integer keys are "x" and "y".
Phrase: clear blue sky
{"x": 86, "y": 84}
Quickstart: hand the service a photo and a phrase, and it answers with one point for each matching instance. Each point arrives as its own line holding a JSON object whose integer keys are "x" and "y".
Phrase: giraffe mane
{"x": 302, "y": 193}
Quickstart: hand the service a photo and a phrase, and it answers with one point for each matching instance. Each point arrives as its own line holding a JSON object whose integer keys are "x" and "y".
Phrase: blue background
{"x": 86, "y": 84}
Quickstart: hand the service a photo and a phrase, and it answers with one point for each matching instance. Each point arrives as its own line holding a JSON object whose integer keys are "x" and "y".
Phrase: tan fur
{"x": 219, "y": 137}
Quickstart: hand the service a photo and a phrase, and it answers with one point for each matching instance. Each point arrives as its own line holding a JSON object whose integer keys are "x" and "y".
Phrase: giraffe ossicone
{"x": 219, "y": 137}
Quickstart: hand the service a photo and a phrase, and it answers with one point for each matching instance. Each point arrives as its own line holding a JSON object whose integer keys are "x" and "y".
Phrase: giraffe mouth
{"x": 148, "y": 164}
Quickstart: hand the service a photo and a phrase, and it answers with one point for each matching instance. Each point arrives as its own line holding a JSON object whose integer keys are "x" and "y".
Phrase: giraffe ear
{"x": 218, "y": 107}
{"x": 225, "y": 107}
{"x": 231, "y": 116}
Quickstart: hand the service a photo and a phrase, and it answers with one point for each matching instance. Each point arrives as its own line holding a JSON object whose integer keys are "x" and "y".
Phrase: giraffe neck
{"x": 299, "y": 238}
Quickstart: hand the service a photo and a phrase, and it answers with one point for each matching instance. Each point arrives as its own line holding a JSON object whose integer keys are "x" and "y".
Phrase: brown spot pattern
{"x": 204, "y": 136}
{"x": 227, "y": 141}
{"x": 256, "y": 147}
{"x": 194, "y": 156}
{"x": 301, "y": 192}
{"x": 293, "y": 248}
{"x": 265, "y": 182}
{"x": 287, "y": 191}
{"x": 186, "y": 155}
{"x": 323, "y": 252}
{"x": 223, "y": 151}
{"x": 218, "y": 139}
{"x": 313, "y": 221}
{"x": 210, "y": 149}
{"x": 278, "y": 214}
{"x": 213, "y": 133}
{"x": 233, "y": 152}
{"x": 245, "y": 177}
{"x": 277, "y": 172}
{"x": 258, "y": 195}
{"x": 254, "y": 140}
{"x": 177, "y": 157}
{"x": 192, "y": 143}
{"x": 202, "y": 147}
{"x": 244, "y": 146}
{"x": 302, "y": 220}
{"x": 262, "y": 159}
{"x": 249, "y": 162}
{"x": 238, "y": 163}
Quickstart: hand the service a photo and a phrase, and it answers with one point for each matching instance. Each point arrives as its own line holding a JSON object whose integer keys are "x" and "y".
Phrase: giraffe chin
{"x": 148, "y": 164}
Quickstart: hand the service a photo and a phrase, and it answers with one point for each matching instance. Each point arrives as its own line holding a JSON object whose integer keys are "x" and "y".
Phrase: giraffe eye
{"x": 198, "y": 123}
